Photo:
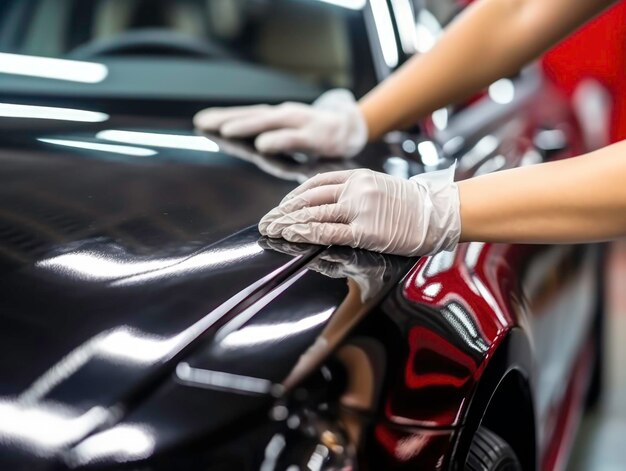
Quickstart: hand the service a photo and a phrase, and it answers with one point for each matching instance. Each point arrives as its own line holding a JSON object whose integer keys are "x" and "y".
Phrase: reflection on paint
{"x": 256, "y": 334}
{"x": 122, "y": 442}
{"x": 463, "y": 323}
{"x": 427, "y": 31}
{"x": 10, "y": 110}
{"x": 428, "y": 152}
{"x": 318, "y": 457}
{"x": 52, "y": 68}
{"x": 127, "y": 150}
{"x": 350, "y": 4}
{"x": 45, "y": 426}
{"x": 440, "y": 118}
{"x": 210, "y": 379}
{"x": 386, "y": 34}
{"x": 502, "y": 91}
{"x": 404, "y": 14}
{"x": 273, "y": 451}
{"x": 152, "y": 139}
{"x": 486, "y": 146}
{"x": 92, "y": 265}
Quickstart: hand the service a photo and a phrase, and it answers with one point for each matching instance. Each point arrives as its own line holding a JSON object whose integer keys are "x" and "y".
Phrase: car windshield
{"x": 312, "y": 41}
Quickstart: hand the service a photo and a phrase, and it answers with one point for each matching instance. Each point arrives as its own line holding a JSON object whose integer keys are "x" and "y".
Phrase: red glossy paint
{"x": 478, "y": 291}
{"x": 438, "y": 372}
{"x": 596, "y": 51}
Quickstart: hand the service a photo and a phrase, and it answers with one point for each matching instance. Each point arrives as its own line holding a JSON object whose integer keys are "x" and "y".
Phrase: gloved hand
{"x": 332, "y": 127}
{"x": 371, "y": 210}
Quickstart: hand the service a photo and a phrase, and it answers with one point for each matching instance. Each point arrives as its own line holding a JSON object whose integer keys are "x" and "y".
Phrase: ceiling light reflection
{"x": 172, "y": 141}
{"x": 8, "y": 110}
{"x": 350, "y": 4}
{"x": 127, "y": 150}
{"x": 46, "y": 426}
{"x": 474, "y": 250}
{"x": 196, "y": 262}
{"x": 92, "y": 265}
{"x": 273, "y": 451}
{"x": 502, "y": 91}
{"x": 212, "y": 379}
{"x": 397, "y": 167}
{"x": 440, "y": 118}
{"x": 404, "y": 14}
{"x": 427, "y": 31}
{"x": 255, "y": 334}
{"x": 121, "y": 346}
{"x": 386, "y": 34}
{"x": 52, "y": 68}
{"x": 432, "y": 290}
{"x": 136, "y": 347}
{"x": 463, "y": 324}
{"x": 428, "y": 152}
{"x": 122, "y": 442}
{"x": 486, "y": 146}
{"x": 318, "y": 458}
{"x": 95, "y": 266}
{"x": 495, "y": 163}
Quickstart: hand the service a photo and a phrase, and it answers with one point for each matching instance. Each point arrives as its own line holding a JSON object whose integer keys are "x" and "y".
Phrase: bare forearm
{"x": 492, "y": 39}
{"x": 576, "y": 200}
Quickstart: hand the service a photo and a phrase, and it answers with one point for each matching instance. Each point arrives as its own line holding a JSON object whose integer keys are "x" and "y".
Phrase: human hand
{"x": 332, "y": 127}
{"x": 371, "y": 210}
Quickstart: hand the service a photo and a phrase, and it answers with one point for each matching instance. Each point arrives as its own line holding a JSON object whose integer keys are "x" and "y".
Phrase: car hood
{"x": 124, "y": 246}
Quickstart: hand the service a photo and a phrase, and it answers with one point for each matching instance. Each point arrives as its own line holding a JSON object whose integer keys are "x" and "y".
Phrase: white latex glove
{"x": 371, "y": 210}
{"x": 332, "y": 127}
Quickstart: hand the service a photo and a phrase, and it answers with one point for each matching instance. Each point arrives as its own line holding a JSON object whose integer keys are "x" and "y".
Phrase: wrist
{"x": 440, "y": 207}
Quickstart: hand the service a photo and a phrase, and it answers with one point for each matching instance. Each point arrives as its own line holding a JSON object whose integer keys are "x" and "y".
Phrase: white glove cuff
{"x": 354, "y": 136}
{"x": 444, "y": 221}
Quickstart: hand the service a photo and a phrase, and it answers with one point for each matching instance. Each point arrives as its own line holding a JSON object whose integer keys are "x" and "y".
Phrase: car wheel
{"x": 489, "y": 452}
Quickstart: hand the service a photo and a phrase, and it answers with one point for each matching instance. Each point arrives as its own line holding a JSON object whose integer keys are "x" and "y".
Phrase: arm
{"x": 490, "y": 40}
{"x": 576, "y": 200}
{"x": 581, "y": 199}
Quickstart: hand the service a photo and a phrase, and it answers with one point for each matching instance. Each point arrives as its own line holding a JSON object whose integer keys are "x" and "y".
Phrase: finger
{"x": 314, "y": 197}
{"x": 317, "y": 196}
{"x": 284, "y": 140}
{"x": 268, "y": 219}
{"x": 320, "y": 233}
{"x": 211, "y": 119}
{"x": 274, "y": 118}
{"x": 328, "y": 178}
{"x": 335, "y": 213}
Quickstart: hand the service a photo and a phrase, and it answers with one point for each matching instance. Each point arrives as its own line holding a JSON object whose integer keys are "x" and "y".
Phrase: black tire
{"x": 489, "y": 452}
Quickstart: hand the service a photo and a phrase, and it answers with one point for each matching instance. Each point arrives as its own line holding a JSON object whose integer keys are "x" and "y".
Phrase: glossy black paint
{"x": 115, "y": 267}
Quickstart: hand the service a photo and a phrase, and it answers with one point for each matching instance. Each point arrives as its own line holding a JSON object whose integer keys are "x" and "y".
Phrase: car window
{"x": 310, "y": 39}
